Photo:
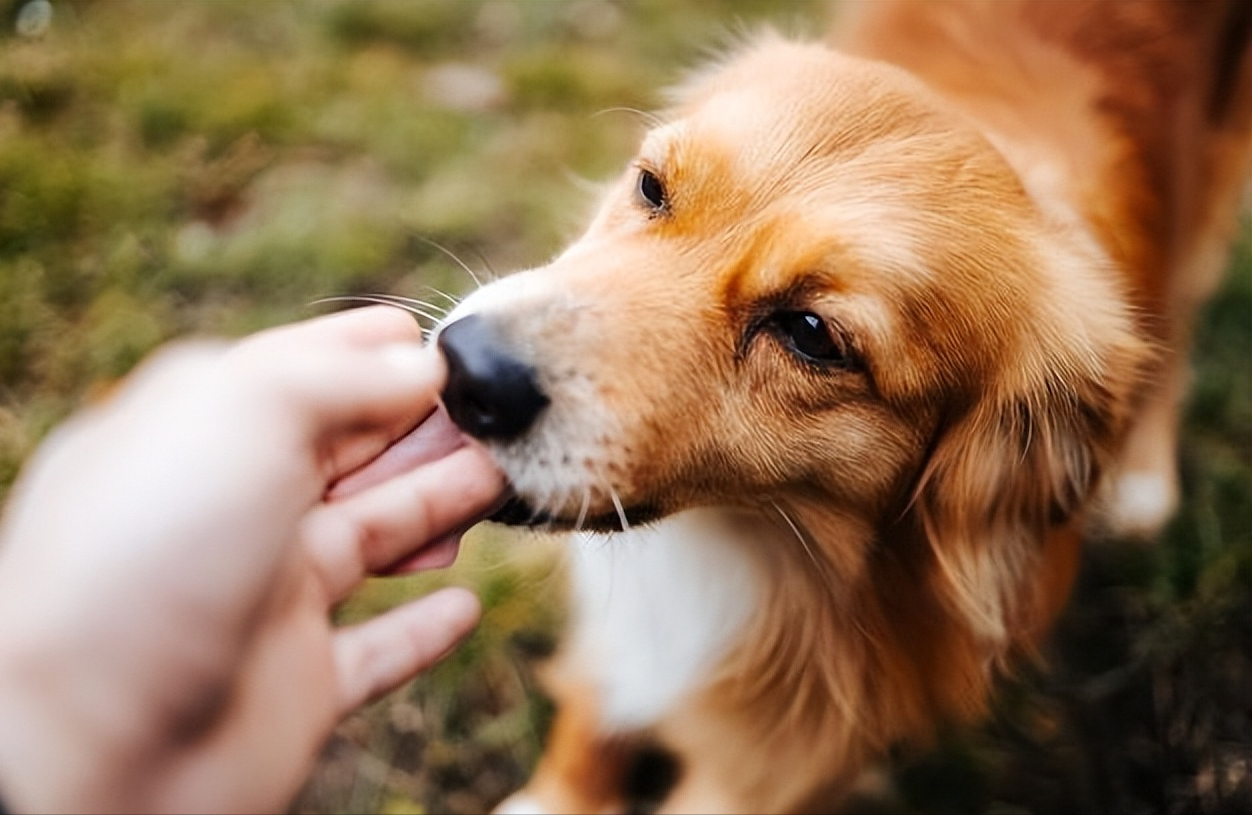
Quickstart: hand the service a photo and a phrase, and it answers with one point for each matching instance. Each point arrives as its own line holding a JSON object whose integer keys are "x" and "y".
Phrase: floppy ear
{"x": 1016, "y": 465}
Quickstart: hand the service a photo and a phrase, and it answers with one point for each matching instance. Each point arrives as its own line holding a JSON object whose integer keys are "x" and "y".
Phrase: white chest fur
{"x": 656, "y": 608}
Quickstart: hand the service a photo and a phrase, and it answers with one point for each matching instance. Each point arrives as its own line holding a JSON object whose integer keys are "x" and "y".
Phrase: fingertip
{"x": 471, "y": 480}
{"x": 478, "y": 459}
{"x": 447, "y": 617}
{"x": 461, "y": 609}
{"x": 414, "y": 359}
{"x": 393, "y": 321}
{"x": 378, "y": 656}
{"x": 371, "y": 324}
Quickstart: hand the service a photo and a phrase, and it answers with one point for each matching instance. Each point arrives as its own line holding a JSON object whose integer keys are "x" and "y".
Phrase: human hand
{"x": 169, "y": 560}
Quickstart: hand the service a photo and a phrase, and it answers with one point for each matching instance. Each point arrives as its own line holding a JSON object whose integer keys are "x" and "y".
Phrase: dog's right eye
{"x": 807, "y": 335}
{"x": 652, "y": 191}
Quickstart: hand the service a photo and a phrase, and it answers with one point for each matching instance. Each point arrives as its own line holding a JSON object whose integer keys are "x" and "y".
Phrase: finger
{"x": 368, "y": 532}
{"x": 350, "y": 383}
{"x": 340, "y": 384}
{"x": 346, "y": 402}
{"x": 435, "y": 437}
{"x": 378, "y": 656}
{"x": 359, "y": 407}
{"x": 344, "y": 360}
{"x": 369, "y": 325}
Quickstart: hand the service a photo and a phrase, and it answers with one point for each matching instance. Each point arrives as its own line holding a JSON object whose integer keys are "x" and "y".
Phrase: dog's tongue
{"x": 435, "y": 437}
{"x": 438, "y": 555}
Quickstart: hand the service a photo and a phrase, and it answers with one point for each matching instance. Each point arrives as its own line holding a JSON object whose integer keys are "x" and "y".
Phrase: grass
{"x": 173, "y": 169}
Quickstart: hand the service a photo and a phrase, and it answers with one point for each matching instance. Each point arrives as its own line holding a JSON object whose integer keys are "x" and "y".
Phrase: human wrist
{"x": 24, "y": 711}
{"x": 62, "y": 745}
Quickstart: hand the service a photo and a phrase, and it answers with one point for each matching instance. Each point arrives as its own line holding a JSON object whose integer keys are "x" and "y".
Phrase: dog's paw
{"x": 1136, "y": 505}
{"x": 519, "y": 803}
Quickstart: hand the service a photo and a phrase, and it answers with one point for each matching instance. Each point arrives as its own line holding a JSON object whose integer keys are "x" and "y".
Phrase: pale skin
{"x": 170, "y": 558}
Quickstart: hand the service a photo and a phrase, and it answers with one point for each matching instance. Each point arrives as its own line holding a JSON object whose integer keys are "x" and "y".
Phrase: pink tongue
{"x": 438, "y": 555}
{"x": 433, "y": 439}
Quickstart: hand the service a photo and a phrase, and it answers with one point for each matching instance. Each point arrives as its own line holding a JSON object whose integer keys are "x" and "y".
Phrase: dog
{"x": 867, "y": 339}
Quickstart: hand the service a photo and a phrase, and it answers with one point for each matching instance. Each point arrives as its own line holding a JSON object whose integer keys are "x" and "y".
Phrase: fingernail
{"x": 408, "y": 356}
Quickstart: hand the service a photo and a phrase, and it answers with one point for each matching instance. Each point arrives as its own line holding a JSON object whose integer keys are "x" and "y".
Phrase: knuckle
{"x": 368, "y": 540}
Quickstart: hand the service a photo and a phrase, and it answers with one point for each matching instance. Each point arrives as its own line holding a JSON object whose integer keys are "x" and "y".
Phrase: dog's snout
{"x": 490, "y": 393}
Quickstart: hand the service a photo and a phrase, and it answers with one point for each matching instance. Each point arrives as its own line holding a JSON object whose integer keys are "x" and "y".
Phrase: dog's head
{"x": 815, "y": 281}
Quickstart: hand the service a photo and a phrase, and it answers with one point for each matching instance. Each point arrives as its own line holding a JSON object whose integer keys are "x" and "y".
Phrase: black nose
{"x": 490, "y": 394}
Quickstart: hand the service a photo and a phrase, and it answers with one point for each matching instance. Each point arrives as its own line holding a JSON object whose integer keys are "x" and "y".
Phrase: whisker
{"x": 547, "y": 505}
{"x": 582, "y": 510}
{"x": 426, "y": 304}
{"x": 535, "y": 513}
{"x": 384, "y": 300}
{"x": 617, "y": 504}
{"x": 543, "y": 505}
{"x": 545, "y": 528}
{"x": 799, "y": 535}
{"x": 455, "y": 301}
{"x": 491, "y": 270}
{"x": 566, "y": 494}
{"x": 464, "y": 266}
{"x": 651, "y": 119}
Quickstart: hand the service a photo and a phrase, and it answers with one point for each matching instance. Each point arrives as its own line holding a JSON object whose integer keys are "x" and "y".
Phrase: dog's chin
{"x": 517, "y": 512}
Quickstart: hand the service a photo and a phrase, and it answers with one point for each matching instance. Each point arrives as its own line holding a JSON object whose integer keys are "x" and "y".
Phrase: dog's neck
{"x": 845, "y": 649}
{"x": 658, "y": 607}
{"x": 784, "y": 614}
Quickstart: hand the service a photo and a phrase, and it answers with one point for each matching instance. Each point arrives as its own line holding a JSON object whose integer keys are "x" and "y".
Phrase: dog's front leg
{"x": 581, "y": 770}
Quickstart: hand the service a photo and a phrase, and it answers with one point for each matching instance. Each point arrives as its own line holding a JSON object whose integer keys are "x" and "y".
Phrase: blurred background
{"x": 217, "y": 167}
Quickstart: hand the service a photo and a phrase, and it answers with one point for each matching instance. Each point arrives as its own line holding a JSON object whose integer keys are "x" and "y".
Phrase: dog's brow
{"x": 752, "y": 314}
{"x": 658, "y": 144}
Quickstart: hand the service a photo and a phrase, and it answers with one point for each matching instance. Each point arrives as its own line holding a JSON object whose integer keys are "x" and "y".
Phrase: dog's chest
{"x": 655, "y": 610}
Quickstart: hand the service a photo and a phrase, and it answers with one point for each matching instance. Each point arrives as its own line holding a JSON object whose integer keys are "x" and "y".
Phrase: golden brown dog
{"x": 847, "y": 362}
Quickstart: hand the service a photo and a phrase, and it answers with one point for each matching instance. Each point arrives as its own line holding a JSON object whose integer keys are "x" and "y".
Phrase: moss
{"x": 571, "y": 78}
{"x": 425, "y": 27}
{"x": 25, "y": 311}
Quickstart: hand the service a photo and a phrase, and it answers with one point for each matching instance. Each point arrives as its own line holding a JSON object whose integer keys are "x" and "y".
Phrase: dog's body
{"x": 850, "y": 360}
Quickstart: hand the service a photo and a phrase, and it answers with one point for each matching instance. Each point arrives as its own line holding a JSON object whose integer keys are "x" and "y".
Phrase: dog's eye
{"x": 808, "y": 336}
{"x": 652, "y": 191}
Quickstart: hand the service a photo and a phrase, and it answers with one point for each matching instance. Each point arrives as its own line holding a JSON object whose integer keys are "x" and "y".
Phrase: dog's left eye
{"x": 652, "y": 191}
{"x": 808, "y": 336}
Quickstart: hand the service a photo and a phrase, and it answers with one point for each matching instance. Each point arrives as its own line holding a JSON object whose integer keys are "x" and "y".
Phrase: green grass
{"x": 215, "y": 167}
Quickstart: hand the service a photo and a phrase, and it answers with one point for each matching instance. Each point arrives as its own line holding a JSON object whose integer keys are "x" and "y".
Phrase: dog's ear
{"x": 1012, "y": 466}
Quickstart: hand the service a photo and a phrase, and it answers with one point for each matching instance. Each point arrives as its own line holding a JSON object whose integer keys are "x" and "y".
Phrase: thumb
{"x": 348, "y": 402}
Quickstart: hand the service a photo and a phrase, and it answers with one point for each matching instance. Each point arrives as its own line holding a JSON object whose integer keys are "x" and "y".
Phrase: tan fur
{"x": 1008, "y": 212}
{"x": 582, "y": 771}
